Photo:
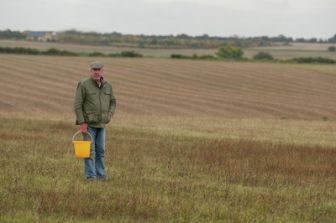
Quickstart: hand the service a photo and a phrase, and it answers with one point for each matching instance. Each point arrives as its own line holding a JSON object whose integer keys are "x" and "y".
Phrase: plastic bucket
{"x": 82, "y": 148}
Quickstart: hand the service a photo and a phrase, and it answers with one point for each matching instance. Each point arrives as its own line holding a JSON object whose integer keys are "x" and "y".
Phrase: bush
{"x": 125, "y": 54}
{"x": 19, "y": 50}
{"x": 194, "y": 57}
{"x": 30, "y": 51}
{"x": 96, "y": 54}
{"x": 56, "y": 52}
{"x": 332, "y": 49}
{"x": 178, "y": 56}
{"x": 52, "y": 51}
{"x": 206, "y": 57}
{"x": 130, "y": 54}
{"x": 229, "y": 51}
{"x": 263, "y": 56}
{"x": 313, "y": 60}
{"x": 113, "y": 55}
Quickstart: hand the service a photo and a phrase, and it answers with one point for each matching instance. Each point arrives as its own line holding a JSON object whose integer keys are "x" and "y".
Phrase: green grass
{"x": 162, "y": 176}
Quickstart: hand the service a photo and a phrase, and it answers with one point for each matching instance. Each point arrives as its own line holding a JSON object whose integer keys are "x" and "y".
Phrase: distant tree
{"x": 141, "y": 44}
{"x": 282, "y": 38}
{"x": 229, "y": 51}
{"x": 263, "y": 56}
{"x": 263, "y": 43}
{"x": 8, "y": 34}
{"x": 183, "y": 36}
{"x": 300, "y": 40}
{"x": 204, "y": 36}
{"x": 313, "y": 40}
{"x": 154, "y": 41}
{"x": 332, "y": 49}
{"x": 332, "y": 39}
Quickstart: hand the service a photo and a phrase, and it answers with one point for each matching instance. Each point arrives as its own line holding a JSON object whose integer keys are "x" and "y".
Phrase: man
{"x": 95, "y": 105}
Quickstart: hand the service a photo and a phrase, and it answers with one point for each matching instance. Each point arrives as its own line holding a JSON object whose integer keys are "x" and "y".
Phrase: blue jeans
{"x": 94, "y": 166}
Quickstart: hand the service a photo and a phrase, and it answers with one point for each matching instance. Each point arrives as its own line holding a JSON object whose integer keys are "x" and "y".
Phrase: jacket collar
{"x": 102, "y": 81}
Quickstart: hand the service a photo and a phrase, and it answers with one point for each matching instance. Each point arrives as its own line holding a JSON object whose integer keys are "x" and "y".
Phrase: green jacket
{"x": 94, "y": 105}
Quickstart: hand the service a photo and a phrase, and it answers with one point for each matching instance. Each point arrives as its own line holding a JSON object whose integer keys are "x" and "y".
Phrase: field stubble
{"x": 190, "y": 142}
{"x": 162, "y": 176}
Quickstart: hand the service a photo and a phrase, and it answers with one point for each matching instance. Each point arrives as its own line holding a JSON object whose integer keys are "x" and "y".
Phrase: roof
{"x": 37, "y": 33}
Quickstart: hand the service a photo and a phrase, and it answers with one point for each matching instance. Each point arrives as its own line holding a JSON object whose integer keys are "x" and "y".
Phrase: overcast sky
{"x": 295, "y": 18}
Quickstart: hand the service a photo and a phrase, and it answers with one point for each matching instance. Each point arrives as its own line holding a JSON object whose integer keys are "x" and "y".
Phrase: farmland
{"x": 191, "y": 141}
{"x": 278, "y": 51}
{"x": 46, "y": 85}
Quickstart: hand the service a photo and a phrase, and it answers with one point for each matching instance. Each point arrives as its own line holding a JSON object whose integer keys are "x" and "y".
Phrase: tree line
{"x": 163, "y": 41}
{"x": 57, "y": 52}
{"x": 226, "y": 52}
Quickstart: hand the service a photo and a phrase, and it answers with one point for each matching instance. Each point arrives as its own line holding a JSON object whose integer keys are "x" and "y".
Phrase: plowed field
{"x": 35, "y": 85}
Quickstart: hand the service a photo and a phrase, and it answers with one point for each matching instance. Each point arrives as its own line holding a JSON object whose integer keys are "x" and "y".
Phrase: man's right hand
{"x": 83, "y": 127}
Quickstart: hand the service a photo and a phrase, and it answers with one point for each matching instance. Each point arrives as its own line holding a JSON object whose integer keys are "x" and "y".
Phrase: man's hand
{"x": 83, "y": 128}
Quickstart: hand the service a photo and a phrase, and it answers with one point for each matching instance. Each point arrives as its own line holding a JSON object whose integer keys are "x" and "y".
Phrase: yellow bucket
{"x": 82, "y": 148}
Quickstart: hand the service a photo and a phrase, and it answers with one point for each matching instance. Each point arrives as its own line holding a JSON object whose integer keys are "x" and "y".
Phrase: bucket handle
{"x": 73, "y": 137}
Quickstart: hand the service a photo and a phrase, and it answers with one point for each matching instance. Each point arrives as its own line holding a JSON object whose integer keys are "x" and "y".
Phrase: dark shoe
{"x": 103, "y": 178}
{"x": 90, "y": 178}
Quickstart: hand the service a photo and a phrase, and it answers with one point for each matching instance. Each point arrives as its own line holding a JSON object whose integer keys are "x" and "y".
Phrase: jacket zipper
{"x": 100, "y": 113}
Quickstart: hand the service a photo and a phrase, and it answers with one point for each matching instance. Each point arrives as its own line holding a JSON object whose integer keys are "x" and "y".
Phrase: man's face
{"x": 96, "y": 73}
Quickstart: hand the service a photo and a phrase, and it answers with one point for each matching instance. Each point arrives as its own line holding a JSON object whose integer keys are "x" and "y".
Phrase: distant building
{"x": 42, "y": 36}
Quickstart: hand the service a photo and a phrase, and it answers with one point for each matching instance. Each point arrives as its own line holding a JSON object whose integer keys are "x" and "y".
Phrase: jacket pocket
{"x": 106, "y": 117}
{"x": 106, "y": 97}
{"x": 91, "y": 117}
